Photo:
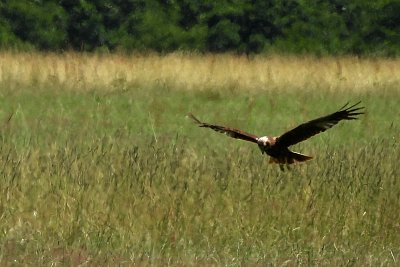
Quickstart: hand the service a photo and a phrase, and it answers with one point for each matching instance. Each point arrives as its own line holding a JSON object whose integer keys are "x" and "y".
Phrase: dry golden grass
{"x": 198, "y": 72}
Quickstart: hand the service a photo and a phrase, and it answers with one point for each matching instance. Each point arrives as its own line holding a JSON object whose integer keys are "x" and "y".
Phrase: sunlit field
{"x": 101, "y": 167}
{"x": 180, "y": 71}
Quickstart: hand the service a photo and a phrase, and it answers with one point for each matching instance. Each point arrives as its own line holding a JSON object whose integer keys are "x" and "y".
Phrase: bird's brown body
{"x": 278, "y": 147}
{"x": 279, "y": 154}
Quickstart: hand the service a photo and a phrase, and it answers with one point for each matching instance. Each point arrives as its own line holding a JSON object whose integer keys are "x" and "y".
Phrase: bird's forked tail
{"x": 299, "y": 157}
{"x": 291, "y": 157}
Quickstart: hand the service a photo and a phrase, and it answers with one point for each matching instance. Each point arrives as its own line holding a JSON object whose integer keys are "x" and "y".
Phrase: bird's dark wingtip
{"x": 194, "y": 119}
{"x": 355, "y": 105}
{"x": 352, "y": 107}
{"x": 353, "y": 110}
{"x": 344, "y": 106}
{"x": 10, "y": 117}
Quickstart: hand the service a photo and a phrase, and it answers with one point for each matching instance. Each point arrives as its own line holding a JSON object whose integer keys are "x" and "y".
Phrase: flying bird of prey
{"x": 278, "y": 147}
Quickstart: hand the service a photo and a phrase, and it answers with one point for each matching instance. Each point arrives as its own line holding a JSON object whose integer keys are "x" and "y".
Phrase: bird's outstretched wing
{"x": 232, "y": 132}
{"x": 311, "y": 128}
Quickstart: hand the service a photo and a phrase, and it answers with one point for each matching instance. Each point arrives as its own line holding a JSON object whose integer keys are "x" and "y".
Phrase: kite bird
{"x": 278, "y": 147}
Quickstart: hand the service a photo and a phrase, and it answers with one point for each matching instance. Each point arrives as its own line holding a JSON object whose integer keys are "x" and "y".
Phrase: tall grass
{"x": 99, "y": 175}
{"x": 198, "y": 72}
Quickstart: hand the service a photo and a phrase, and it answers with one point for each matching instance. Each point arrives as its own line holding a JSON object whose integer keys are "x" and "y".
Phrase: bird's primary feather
{"x": 313, "y": 127}
{"x": 232, "y": 132}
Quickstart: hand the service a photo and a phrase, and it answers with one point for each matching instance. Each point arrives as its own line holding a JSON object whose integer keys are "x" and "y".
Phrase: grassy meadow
{"x": 101, "y": 167}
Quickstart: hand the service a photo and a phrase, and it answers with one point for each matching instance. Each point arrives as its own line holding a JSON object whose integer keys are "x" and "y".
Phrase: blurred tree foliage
{"x": 245, "y": 26}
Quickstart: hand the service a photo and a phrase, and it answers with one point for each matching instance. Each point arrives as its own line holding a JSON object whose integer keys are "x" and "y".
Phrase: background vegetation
{"x": 99, "y": 165}
{"x": 291, "y": 26}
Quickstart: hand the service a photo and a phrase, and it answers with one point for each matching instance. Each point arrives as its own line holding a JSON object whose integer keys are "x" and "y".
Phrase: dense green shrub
{"x": 291, "y": 26}
{"x": 42, "y": 25}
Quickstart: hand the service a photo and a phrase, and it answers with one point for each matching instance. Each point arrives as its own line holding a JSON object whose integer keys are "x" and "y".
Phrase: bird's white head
{"x": 264, "y": 141}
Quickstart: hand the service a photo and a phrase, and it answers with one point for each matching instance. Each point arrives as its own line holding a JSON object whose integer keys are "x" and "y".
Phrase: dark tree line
{"x": 245, "y": 26}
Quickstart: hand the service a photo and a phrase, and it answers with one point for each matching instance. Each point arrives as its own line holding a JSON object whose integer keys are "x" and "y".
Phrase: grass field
{"x": 101, "y": 167}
